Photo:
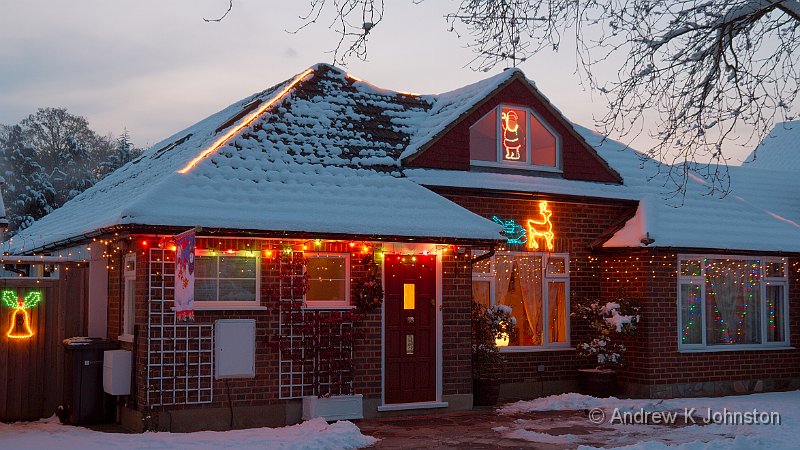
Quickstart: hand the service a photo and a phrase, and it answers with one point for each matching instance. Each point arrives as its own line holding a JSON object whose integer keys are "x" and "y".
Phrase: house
{"x": 301, "y": 198}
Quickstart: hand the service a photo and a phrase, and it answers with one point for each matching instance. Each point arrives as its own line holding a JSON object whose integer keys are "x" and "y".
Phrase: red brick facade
{"x": 264, "y": 388}
{"x": 656, "y": 367}
{"x": 576, "y": 226}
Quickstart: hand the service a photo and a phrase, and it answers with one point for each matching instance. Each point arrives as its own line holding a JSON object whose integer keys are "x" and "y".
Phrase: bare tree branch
{"x": 705, "y": 73}
{"x": 219, "y": 19}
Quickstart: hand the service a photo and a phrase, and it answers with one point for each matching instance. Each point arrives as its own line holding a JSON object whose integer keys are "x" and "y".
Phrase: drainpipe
{"x": 486, "y": 255}
{"x": 3, "y": 218}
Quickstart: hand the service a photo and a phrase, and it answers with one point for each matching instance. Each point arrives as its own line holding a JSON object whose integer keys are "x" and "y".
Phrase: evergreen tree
{"x": 28, "y": 193}
{"x": 75, "y": 172}
{"x": 123, "y": 153}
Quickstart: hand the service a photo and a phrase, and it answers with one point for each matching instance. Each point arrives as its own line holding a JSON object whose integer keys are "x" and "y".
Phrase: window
{"x": 328, "y": 280}
{"x": 732, "y": 302}
{"x": 231, "y": 278}
{"x": 129, "y": 298}
{"x": 536, "y": 287}
{"x": 516, "y": 137}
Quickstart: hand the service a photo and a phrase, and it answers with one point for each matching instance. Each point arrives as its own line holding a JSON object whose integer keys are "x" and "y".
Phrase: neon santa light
{"x": 20, "y": 323}
{"x": 509, "y": 120}
{"x": 541, "y": 227}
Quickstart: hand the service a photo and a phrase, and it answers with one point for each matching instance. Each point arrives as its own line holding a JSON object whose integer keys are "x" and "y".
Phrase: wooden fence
{"x": 32, "y": 369}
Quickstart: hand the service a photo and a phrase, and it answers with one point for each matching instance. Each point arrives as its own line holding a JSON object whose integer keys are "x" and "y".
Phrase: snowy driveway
{"x": 564, "y": 421}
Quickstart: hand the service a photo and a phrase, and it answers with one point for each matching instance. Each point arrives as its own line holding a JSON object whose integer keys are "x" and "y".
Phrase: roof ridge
{"x": 249, "y": 119}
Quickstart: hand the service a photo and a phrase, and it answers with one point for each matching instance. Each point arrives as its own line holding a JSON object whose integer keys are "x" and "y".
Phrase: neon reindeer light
{"x": 20, "y": 320}
{"x": 511, "y": 142}
{"x": 541, "y": 228}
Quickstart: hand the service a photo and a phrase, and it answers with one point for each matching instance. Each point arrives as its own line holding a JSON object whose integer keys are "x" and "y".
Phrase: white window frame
{"x": 213, "y": 304}
{"x": 128, "y": 295}
{"x": 699, "y": 280}
{"x": 342, "y": 304}
{"x": 546, "y": 278}
{"x": 528, "y": 163}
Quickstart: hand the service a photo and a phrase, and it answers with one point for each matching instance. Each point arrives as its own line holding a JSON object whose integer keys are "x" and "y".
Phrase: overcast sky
{"x": 155, "y": 67}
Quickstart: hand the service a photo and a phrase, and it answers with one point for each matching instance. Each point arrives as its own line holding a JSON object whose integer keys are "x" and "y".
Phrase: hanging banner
{"x": 184, "y": 276}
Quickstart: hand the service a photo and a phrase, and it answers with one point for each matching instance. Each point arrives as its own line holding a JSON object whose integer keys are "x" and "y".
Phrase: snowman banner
{"x": 184, "y": 276}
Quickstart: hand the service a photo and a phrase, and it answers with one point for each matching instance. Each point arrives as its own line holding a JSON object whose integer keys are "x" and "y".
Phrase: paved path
{"x": 483, "y": 429}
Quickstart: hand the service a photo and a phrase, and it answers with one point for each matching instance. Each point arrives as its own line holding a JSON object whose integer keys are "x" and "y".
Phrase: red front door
{"x": 410, "y": 328}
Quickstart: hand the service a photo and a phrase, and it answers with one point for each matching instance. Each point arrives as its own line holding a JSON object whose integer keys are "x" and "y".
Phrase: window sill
{"x": 537, "y": 349}
{"x": 228, "y": 308}
{"x": 739, "y": 348}
{"x": 329, "y": 307}
{"x": 519, "y": 166}
{"x": 125, "y": 338}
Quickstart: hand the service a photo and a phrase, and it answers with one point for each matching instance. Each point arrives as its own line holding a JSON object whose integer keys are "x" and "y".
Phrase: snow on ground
{"x": 314, "y": 434}
{"x": 681, "y": 434}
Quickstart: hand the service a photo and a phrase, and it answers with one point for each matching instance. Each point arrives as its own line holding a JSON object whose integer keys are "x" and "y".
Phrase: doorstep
{"x": 417, "y": 405}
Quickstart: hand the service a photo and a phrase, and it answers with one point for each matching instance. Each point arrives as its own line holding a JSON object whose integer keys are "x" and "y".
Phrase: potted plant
{"x": 609, "y": 324}
{"x": 488, "y": 326}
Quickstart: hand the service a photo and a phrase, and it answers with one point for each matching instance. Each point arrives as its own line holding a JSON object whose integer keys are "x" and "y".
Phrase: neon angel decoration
{"x": 20, "y": 327}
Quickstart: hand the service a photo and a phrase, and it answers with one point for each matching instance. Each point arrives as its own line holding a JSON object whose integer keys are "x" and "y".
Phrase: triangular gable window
{"x": 512, "y": 136}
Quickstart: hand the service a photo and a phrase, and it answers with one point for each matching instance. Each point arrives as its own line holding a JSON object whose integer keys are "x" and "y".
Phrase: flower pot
{"x": 600, "y": 383}
{"x": 485, "y": 392}
{"x": 335, "y": 407}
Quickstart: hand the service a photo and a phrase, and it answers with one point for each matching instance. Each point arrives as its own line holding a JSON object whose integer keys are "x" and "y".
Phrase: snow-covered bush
{"x": 489, "y": 325}
{"x": 609, "y": 323}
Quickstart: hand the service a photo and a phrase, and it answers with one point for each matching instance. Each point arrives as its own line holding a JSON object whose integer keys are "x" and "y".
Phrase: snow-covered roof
{"x": 322, "y": 153}
{"x": 323, "y": 158}
{"x": 520, "y": 183}
{"x": 738, "y": 221}
{"x": 446, "y": 108}
{"x": 760, "y": 214}
{"x": 779, "y": 150}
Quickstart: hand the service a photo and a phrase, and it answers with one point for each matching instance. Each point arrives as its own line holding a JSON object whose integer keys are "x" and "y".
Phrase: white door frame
{"x": 414, "y": 249}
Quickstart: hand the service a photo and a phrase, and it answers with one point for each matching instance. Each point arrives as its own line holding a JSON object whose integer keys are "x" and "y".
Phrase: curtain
{"x": 529, "y": 271}
{"x": 557, "y": 311}
{"x": 504, "y": 267}
{"x": 732, "y": 302}
{"x": 481, "y": 292}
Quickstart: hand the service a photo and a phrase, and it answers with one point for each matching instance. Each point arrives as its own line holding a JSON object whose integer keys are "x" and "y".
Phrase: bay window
{"x": 732, "y": 302}
{"x": 536, "y": 288}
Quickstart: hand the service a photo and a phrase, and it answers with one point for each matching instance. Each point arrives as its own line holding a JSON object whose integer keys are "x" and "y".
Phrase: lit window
{"x": 516, "y": 137}
{"x": 129, "y": 297}
{"x": 231, "y": 278}
{"x": 328, "y": 280}
{"x": 732, "y": 302}
{"x": 536, "y": 287}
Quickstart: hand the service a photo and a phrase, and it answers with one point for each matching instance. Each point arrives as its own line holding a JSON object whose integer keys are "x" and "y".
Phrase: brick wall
{"x": 264, "y": 388}
{"x": 576, "y": 225}
{"x": 656, "y": 367}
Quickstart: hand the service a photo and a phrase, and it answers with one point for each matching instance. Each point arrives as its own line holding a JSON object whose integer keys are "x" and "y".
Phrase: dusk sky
{"x": 155, "y": 67}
